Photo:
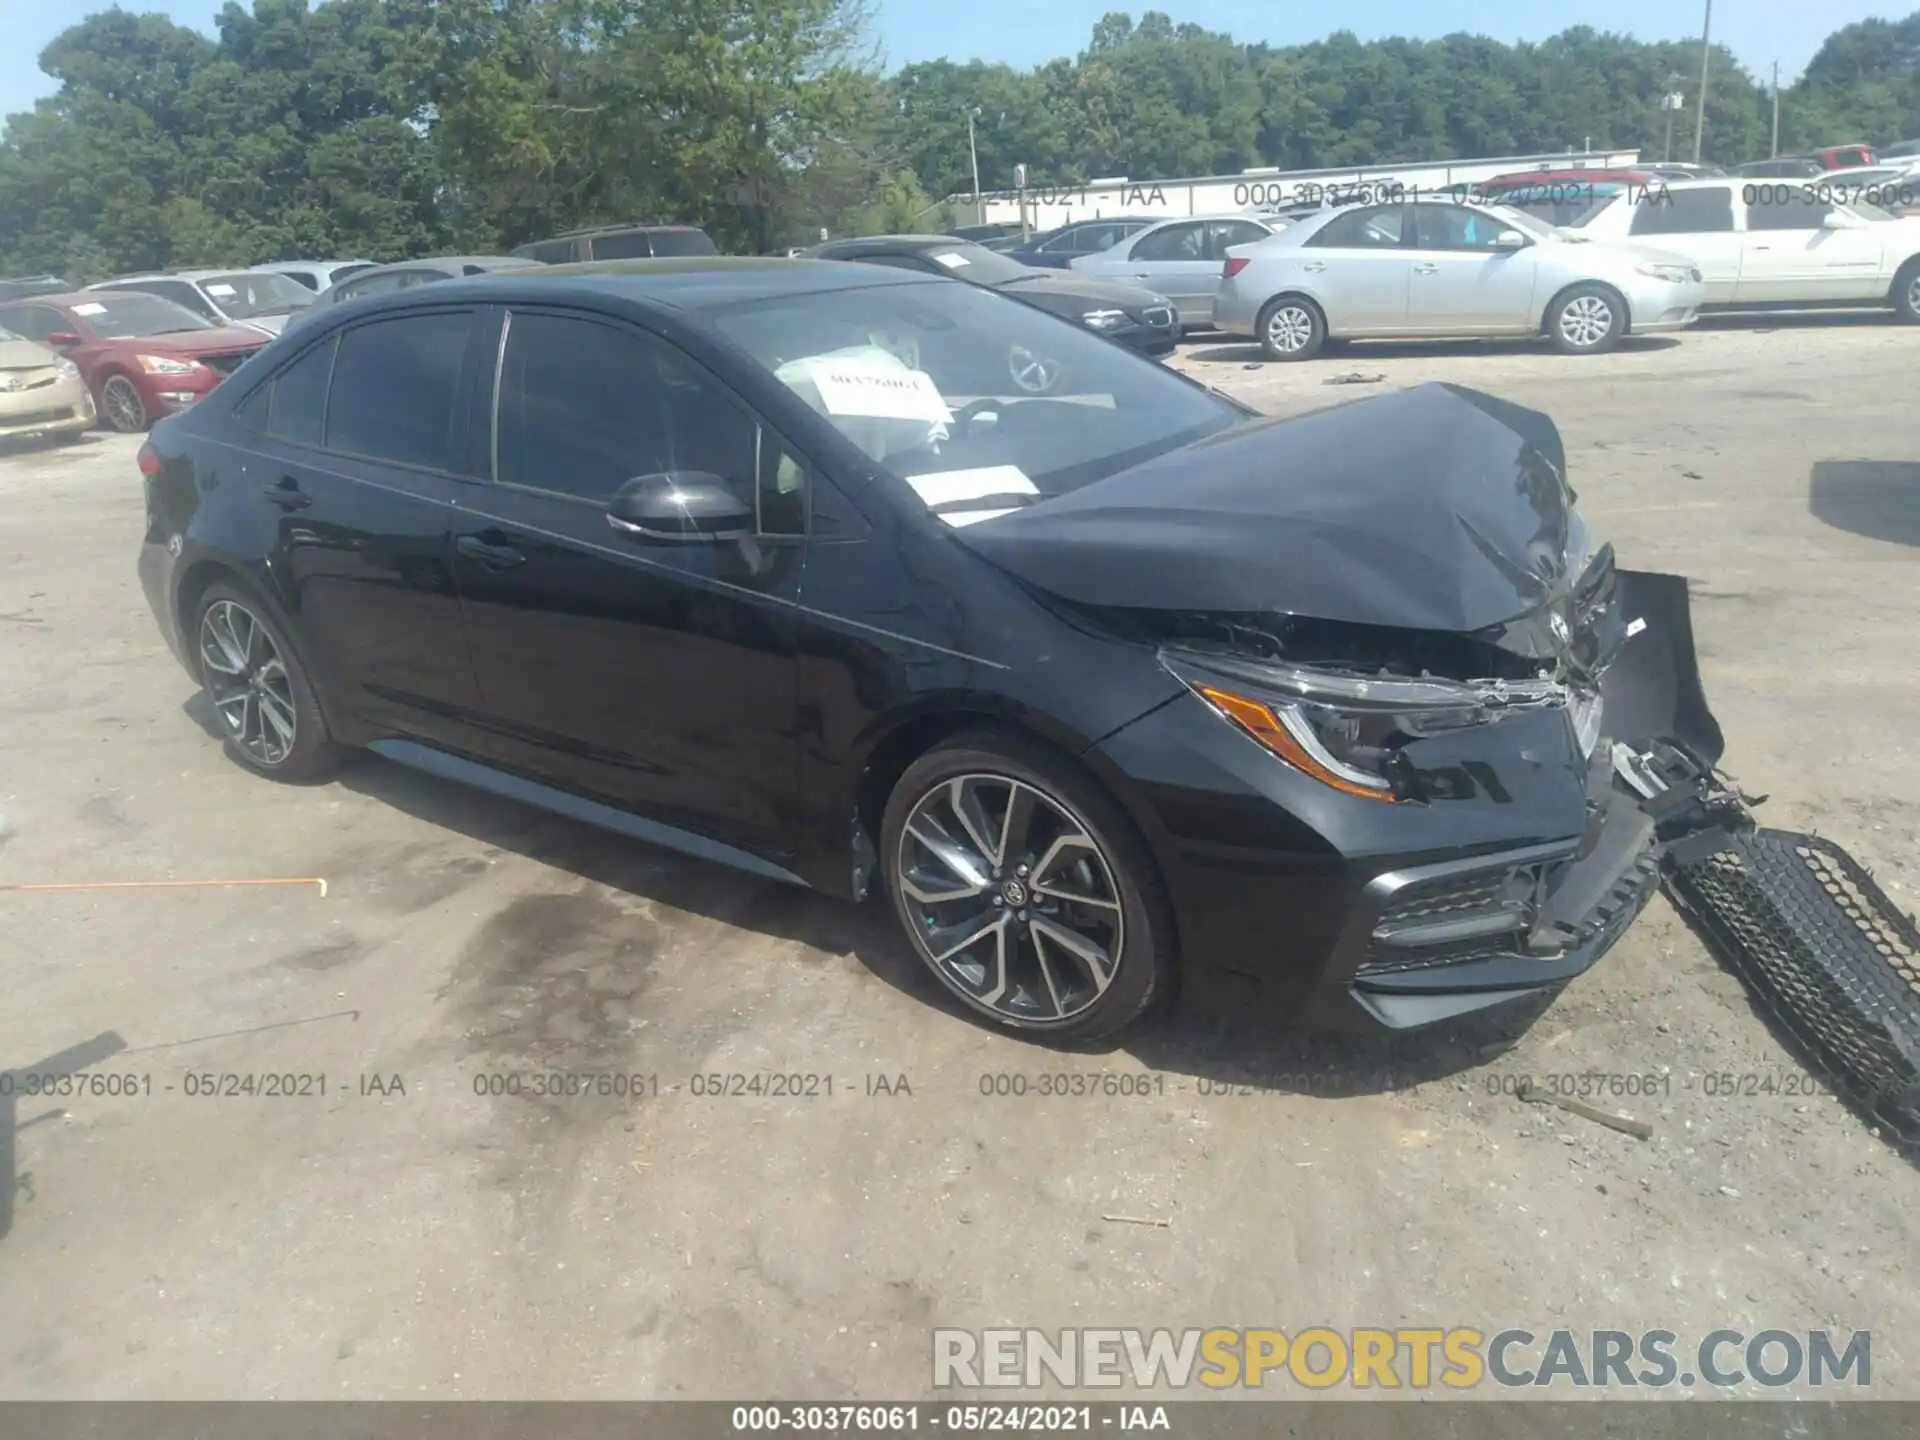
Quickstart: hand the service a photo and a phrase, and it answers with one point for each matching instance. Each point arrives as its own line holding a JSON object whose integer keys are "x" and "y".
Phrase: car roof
{"x": 456, "y": 262}
{"x": 688, "y": 283}
{"x": 619, "y": 228}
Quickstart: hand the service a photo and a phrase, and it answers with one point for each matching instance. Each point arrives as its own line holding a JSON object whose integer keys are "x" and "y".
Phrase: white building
{"x": 1048, "y": 206}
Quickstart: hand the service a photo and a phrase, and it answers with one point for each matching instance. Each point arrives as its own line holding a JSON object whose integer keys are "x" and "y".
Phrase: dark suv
{"x": 619, "y": 242}
{"x": 1097, "y": 677}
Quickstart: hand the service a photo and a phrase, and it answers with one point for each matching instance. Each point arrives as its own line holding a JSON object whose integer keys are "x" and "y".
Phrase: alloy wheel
{"x": 248, "y": 682}
{"x": 1289, "y": 329}
{"x": 126, "y": 411}
{"x": 1036, "y": 374}
{"x": 1913, "y": 295}
{"x": 1010, "y": 897}
{"x": 1585, "y": 321}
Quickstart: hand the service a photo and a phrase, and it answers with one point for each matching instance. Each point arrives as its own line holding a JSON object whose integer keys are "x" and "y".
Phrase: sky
{"x": 1759, "y": 32}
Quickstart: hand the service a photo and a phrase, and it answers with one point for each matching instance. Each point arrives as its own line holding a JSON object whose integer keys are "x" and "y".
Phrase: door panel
{"x": 1698, "y": 223}
{"x": 658, "y": 676}
{"x": 1790, "y": 256}
{"x": 1461, "y": 283}
{"x": 1360, "y": 268}
{"x": 1174, "y": 261}
{"x": 361, "y": 546}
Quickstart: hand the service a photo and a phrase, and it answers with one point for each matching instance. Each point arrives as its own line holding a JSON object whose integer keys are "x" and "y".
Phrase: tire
{"x": 1291, "y": 327}
{"x": 265, "y": 694}
{"x": 1586, "y": 311}
{"x": 1094, "y": 891}
{"x": 121, "y": 407}
{"x": 1906, "y": 292}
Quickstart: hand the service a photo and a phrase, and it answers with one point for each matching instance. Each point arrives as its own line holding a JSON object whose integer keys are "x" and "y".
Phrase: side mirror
{"x": 1509, "y": 240}
{"x": 60, "y": 339}
{"x": 679, "y": 506}
{"x": 1837, "y": 220}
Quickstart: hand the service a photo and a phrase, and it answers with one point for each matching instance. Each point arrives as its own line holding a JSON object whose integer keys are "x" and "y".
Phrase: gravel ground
{"x": 443, "y": 1243}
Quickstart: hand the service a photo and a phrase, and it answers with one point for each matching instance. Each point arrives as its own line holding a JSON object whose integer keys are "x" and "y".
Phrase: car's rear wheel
{"x": 1025, "y": 890}
{"x": 1292, "y": 328}
{"x": 1587, "y": 320}
{"x": 1906, "y": 292}
{"x": 121, "y": 406}
{"x": 262, "y": 700}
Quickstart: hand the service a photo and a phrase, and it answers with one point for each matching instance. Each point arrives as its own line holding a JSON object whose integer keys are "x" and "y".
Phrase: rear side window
{"x": 303, "y": 277}
{"x": 394, "y": 383}
{"x": 630, "y": 245}
{"x": 1176, "y": 242}
{"x": 683, "y": 242}
{"x": 1684, "y": 212}
{"x": 1378, "y": 227}
{"x": 296, "y": 408}
{"x": 548, "y": 252}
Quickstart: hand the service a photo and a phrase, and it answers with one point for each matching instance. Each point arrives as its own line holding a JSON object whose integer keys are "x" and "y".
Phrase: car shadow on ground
{"x": 1207, "y": 1034}
{"x": 1358, "y": 352}
{"x": 1879, "y": 499}
{"x": 1762, "y": 321}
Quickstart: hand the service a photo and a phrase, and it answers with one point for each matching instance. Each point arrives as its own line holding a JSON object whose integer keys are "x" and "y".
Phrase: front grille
{"x": 1157, "y": 316}
{"x": 12, "y": 382}
{"x": 225, "y": 364}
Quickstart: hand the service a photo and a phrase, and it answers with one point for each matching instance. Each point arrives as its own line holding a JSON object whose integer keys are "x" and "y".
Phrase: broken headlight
{"x": 1345, "y": 729}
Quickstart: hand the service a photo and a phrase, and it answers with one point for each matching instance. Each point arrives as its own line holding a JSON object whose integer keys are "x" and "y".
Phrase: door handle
{"x": 287, "y": 494}
{"x": 1314, "y": 266}
{"x": 1426, "y": 267}
{"x": 1762, "y": 247}
{"x": 493, "y": 556}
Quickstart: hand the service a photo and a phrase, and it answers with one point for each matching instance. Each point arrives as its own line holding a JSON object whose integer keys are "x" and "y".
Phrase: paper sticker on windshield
{"x": 966, "y": 497}
{"x": 950, "y": 259}
{"x": 91, "y": 307}
{"x": 875, "y": 388}
{"x": 221, "y": 290}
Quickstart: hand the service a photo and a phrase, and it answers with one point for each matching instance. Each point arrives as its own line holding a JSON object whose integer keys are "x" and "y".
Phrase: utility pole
{"x": 1700, "y": 115}
{"x": 973, "y": 153}
{"x": 1671, "y": 102}
{"x": 1776, "y": 108}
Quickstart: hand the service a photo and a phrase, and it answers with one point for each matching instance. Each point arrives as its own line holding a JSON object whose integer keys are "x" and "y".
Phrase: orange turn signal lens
{"x": 1263, "y": 725}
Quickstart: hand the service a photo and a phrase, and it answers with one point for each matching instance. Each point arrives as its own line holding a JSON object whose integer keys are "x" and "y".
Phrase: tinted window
{"x": 303, "y": 277}
{"x": 1784, "y": 207}
{"x": 297, "y": 398}
{"x": 394, "y": 384}
{"x": 632, "y": 245}
{"x": 683, "y": 242}
{"x": 371, "y": 285}
{"x": 1176, "y": 242}
{"x": 901, "y": 262}
{"x": 585, "y": 407}
{"x": 548, "y": 252}
{"x": 181, "y": 293}
{"x": 129, "y": 314}
{"x": 1683, "y": 212}
{"x": 1375, "y": 228}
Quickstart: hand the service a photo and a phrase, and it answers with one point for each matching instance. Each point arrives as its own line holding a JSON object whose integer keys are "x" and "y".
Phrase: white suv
{"x": 1772, "y": 242}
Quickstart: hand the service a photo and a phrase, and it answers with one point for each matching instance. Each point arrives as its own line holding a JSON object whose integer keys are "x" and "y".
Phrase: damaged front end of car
{"x": 1484, "y": 736}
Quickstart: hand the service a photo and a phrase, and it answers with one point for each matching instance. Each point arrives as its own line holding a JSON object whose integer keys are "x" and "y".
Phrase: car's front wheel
{"x": 1906, "y": 292}
{"x": 1292, "y": 328}
{"x": 263, "y": 702}
{"x": 1025, "y": 889}
{"x": 121, "y": 406}
{"x": 1587, "y": 320}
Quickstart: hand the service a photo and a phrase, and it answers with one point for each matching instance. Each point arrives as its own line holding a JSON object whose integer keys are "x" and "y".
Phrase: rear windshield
{"x": 131, "y": 314}
{"x": 683, "y": 242}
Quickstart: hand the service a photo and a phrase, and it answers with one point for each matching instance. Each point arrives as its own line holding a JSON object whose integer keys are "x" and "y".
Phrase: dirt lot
{"x": 443, "y": 1243}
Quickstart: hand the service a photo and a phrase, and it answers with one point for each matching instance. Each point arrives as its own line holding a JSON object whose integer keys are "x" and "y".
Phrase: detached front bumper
{"x": 63, "y": 408}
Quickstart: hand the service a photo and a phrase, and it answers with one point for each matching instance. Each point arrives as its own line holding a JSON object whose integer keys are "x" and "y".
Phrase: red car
{"x": 142, "y": 356}
{"x": 1840, "y": 157}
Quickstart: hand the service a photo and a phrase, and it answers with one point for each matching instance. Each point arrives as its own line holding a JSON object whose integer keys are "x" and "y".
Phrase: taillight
{"x": 1235, "y": 264}
{"x": 148, "y": 460}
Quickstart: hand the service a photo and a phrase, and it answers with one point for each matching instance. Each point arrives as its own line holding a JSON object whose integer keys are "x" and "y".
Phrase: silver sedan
{"x": 1180, "y": 259}
{"x": 1442, "y": 267}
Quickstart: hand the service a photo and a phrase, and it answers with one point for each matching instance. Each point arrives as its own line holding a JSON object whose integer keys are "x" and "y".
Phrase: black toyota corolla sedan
{"x": 768, "y": 561}
{"x": 1130, "y": 314}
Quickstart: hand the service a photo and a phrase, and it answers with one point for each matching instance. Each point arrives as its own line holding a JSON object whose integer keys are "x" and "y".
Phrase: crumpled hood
{"x": 1434, "y": 508}
{"x": 1067, "y": 290}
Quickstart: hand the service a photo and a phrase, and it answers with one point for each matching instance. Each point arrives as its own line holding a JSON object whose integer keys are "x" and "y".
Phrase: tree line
{"x": 388, "y": 128}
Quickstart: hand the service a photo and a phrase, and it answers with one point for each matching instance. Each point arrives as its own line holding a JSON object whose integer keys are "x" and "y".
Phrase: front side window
{"x": 394, "y": 386}
{"x": 1784, "y": 207}
{"x": 1457, "y": 227}
{"x": 583, "y": 407}
{"x": 1233, "y": 232}
{"x": 33, "y": 322}
{"x": 950, "y": 388}
{"x": 683, "y": 242}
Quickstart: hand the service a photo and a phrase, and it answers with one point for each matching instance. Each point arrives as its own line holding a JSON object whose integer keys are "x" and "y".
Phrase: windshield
{"x": 130, "y": 314}
{"x": 248, "y": 293}
{"x": 976, "y": 263}
{"x": 7, "y": 335}
{"x": 951, "y": 388}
